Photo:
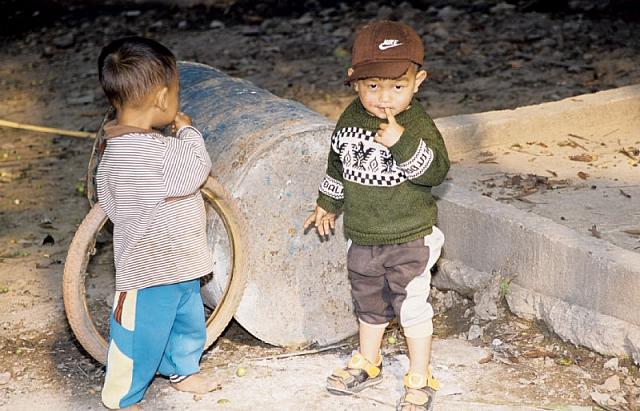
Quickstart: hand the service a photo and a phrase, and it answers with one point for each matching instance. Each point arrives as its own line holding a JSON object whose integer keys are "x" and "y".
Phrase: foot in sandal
{"x": 359, "y": 374}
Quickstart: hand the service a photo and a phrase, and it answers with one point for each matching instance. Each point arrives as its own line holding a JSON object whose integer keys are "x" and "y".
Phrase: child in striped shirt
{"x": 148, "y": 184}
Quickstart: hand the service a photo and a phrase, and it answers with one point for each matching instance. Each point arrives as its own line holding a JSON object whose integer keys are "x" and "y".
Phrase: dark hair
{"x": 132, "y": 67}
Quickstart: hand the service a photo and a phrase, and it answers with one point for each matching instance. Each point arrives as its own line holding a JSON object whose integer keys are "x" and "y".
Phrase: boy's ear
{"x": 162, "y": 100}
{"x": 420, "y": 77}
{"x": 354, "y": 84}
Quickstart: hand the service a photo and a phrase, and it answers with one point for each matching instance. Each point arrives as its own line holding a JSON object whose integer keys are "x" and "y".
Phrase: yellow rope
{"x": 50, "y": 130}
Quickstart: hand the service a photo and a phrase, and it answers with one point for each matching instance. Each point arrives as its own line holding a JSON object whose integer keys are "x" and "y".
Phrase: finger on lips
{"x": 390, "y": 117}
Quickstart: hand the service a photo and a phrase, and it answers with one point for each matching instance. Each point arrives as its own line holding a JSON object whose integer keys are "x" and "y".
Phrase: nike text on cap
{"x": 385, "y": 49}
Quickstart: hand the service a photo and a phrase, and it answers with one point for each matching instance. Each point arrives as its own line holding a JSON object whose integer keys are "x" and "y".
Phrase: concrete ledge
{"x": 586, "y": 289}
{"x": 602, "y": 333}
{"x": 546, "y": 259}
{"x": 587, "y": 113}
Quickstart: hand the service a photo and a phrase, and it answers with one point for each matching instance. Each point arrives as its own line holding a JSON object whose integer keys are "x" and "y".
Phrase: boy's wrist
{"x": 328, "y": 204}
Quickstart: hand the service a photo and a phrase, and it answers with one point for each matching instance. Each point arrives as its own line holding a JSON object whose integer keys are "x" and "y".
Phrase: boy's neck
{"x": 135, "y": 118}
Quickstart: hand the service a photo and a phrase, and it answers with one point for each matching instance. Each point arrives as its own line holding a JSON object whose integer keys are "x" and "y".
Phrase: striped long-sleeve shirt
{"x": 148, "y": 184}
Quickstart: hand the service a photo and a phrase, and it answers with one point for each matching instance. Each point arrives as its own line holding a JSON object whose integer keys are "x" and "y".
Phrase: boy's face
{"x": 376, "y": 94}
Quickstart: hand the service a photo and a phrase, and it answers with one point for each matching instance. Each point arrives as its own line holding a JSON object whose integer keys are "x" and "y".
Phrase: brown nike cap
{"x": 385, "y": 49}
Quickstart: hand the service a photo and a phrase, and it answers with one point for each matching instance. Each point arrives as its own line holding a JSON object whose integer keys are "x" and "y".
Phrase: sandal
{"x": 359, "y": 374}
{"x": 419, "y": 394}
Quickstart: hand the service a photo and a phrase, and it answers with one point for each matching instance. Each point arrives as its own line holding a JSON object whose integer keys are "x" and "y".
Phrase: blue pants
{"x": 157, "y": 329}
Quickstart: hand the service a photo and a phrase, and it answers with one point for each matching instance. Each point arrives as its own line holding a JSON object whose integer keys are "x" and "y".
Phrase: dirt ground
{"x": 481, "y": 55}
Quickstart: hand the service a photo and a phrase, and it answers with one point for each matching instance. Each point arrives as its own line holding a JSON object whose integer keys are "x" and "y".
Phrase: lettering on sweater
{"x": 332, "y": 188}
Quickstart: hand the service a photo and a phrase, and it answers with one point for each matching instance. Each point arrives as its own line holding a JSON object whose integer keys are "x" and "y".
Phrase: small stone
{"x": 132, "y": 13}
{"x": 48, "y": 51}
{"x": 579, "y": 371}
{"x": 182, "y": 25}
{"x": 5, "y": 377}
{"x": 448, "y": 13}
{"x": 496, "y": 342}
{"x": 64, "y": 41}
{"x": 619, "y": 399}
{"x": 600, "y": 398}
{"x": 629, "y": 381}
{"x": 611, "y": 384}
{"x": 385, "y": 13}
{"x": 474, "y": 332}
{"x": 304, "y": 20}
{"x": 342, "y": 32}
{"x": 216, "y": 24}
{"x": 502, "y": 7}
{"x": 448, "y": 300}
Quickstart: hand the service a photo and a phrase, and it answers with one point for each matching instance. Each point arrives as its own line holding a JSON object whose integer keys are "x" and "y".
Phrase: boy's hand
{"x": 324, "y": 221}
{"x": 389, "y": 133}
{"x": 181, "y": 120}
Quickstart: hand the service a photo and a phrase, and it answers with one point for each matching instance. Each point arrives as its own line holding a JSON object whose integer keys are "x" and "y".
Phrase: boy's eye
{"x": 373, "y": 86}
{"x": 399, "y": 86}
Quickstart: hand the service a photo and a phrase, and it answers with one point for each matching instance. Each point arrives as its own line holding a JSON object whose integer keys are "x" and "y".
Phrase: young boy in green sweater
{"x": 386, "y": 154}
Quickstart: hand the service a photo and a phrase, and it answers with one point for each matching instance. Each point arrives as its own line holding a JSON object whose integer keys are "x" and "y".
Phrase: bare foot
{"x": 133, "y": 407}
{"x": 196, "y": 384}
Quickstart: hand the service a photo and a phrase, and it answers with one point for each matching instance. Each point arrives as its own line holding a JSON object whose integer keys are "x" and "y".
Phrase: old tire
{"x": 83, "y": 245}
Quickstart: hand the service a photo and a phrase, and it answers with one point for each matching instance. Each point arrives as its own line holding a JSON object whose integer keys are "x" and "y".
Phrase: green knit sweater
{"x": 385, "y": 193}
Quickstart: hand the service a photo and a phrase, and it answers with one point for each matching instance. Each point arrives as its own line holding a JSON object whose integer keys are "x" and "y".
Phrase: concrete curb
{"x": 587, "y": 290}
{"x": 579, "y": 114}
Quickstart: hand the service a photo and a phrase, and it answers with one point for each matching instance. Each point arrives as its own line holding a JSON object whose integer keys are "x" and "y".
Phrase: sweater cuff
{"x": 405, "y": 148}
{"x": 329, "y": 204}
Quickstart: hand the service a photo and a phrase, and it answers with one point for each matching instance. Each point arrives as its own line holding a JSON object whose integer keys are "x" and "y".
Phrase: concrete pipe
{"x": 270, "y": 153}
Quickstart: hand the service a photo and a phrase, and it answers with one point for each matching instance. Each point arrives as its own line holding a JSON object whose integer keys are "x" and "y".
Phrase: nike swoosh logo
{"x": 387, "y": 44}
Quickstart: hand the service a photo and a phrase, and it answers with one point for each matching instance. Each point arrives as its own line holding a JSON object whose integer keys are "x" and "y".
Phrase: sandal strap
{"x": 418, "y": 381}
{"x": 359, "y": 363}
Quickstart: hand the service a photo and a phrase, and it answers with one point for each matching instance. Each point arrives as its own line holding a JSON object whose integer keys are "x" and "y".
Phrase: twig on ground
{"x": 83, "y": 371}
{"x": 48, "y": 130}
{"x": 577, "y": 136}
{"x": 578, "y": 145}
{"x": 300, "y": 353}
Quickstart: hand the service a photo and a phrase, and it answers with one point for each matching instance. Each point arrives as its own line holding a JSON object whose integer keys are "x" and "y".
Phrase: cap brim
{"x": 386, "y": 69}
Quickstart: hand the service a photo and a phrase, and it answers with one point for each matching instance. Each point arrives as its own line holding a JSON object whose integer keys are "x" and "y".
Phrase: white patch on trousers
{"x": 415, "y": 308}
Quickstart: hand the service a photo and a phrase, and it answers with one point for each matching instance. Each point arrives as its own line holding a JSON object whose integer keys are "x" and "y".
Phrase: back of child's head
{"x": 131, "y": 68}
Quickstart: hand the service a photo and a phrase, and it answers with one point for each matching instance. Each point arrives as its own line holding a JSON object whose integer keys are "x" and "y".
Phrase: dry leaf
{"x": 553, "y": 173}
{"x": 583, "y": 175}
{"x": 594, "y": 231}
{"x": 584, "y": 157}
{"x": 564, "y": 361}
{"x": 634, "y": 232}
{"x": 486, "y": 359}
